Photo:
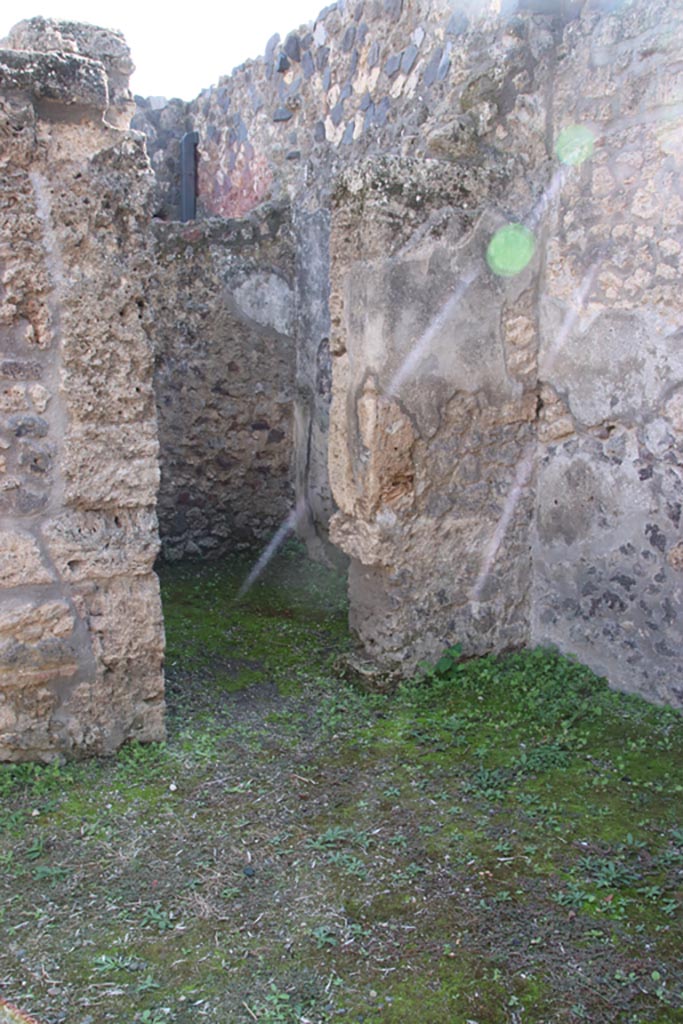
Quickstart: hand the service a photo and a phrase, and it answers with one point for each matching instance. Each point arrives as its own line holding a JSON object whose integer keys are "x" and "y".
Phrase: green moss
{"x": 285, "y": 628}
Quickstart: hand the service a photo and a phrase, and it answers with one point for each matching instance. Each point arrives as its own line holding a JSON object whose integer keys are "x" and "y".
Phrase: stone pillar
{"x": 431, "y": 416}
{"x": 81, "y": 633}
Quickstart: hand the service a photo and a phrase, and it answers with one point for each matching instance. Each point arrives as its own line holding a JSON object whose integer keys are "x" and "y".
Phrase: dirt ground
{"x": 500, "y": 842}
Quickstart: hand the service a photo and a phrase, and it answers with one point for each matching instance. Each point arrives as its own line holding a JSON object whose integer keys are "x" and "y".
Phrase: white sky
{"x": 178, "y": 49}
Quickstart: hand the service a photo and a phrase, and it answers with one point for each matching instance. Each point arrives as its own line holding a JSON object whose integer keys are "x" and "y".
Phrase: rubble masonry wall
{"x": 81, "y": 633}
{"x": 424, "y": 128}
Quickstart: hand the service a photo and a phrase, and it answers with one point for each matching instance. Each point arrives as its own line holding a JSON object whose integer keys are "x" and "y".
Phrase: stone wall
{"x": 501, "y": 431}
{"x": 409, "y": 77}
{"x": 608, "y": 580}
{"x": 504, "y": 447}
{"x": 81, "y": 635}
{"x": 222, "y": 316}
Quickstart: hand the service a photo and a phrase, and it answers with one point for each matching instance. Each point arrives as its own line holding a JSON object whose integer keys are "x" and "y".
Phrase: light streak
{"x": 269, "y": 552}
{"x": 436, "y": 324}
{"x": 526, "y": 463}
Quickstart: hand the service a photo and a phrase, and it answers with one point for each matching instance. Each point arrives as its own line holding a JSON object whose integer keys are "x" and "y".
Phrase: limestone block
{"x": 519, "y": 330}
{"x": 387, "y": 436}
{"x": 119, "y": 703}
{"x": 20, "y": 560}
{"x": 40, "y": 397}
{"x": 107, "y": 362}
{"x": 111, "y": 466}
{"x": 555, "y": 420}
{"x": 368, "y": 542}
{"x": 104, "y": 45}
{"x": 99, "y": 545}
{"x": 124, "y": 618}
{"x": 25, "y": 717}
{"x": 29, "y": 622}
{"x": 13, "y": 399}
{"x": 36, "y": 643}
{"x": 47, "y": 34}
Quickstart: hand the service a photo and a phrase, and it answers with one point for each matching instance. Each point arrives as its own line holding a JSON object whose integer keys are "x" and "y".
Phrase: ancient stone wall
{"x": 222, "y": 316}
{"x": 81, "y": 635}
{"x": 504, "y": 444}
{"x": 608, "y": 579}
{"x": 366, "y": 78}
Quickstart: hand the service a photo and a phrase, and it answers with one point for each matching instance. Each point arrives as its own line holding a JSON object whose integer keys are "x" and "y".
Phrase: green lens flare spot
{"x": 574, "y": 144}
{"x": 510, "y": 250}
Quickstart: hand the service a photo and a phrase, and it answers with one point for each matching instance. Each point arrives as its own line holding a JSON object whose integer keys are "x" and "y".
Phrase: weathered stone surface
{"x": 103, "y": 45}
{"x": 101, "y": 545}
{"x": 60, "y": 78}
{"x": 25, "y": 717}
{"x": 20, "y": 560}
{"x": 36, "y": 643}
{"x": 427, "y": 423}
{"x": 605, "y": 558}
{"x": 225, "y": 375}
{"x": 111, "y": 466}
{"x": 626, "y": 360}
{"x": 78, "y": 437}
{"x": 124, "y": 620}
{"x": 266, "y": 298}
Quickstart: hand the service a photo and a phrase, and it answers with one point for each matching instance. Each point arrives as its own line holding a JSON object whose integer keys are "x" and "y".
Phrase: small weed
{"x": 348, "y": 863}
{"x": 107, "y": 964}
{"x": 147, "y": 984}
{"x": 36, "y": 849}
{"x": 155, "y": 917}
{"x": 607, "y": 873}
{"x": 334, "y": 836}
{"x": 276, "y": 1008}
{"x": 45, "y": 872}
{"x": 160, "y": 1015}
{"x": 489, "y": 783}
{"x": 324, "y": 937}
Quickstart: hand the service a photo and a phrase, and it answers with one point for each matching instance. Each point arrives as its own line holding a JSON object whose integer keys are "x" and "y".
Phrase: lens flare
{"x": 288, "y": 526}
{"x": 510, "y": 250}
{"x": 574, "y": 145}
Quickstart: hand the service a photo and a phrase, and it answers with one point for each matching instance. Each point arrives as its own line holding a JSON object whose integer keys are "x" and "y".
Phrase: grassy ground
{"x": 499, "y": 843}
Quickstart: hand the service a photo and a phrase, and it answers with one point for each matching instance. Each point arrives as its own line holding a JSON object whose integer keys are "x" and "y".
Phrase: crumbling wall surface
{"x": 505, "y": 441}
{"x": 81, "y": 635}
{"x": 431, "y": 414}
{"x": 409, "y": 77}
{"x": 608, "y": 556}
{"x": 222, "y": 308}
